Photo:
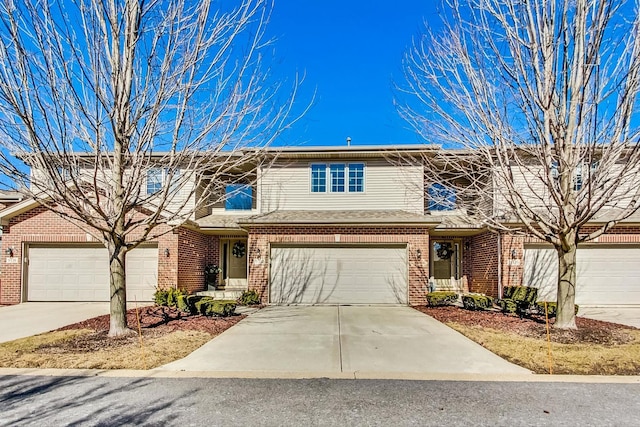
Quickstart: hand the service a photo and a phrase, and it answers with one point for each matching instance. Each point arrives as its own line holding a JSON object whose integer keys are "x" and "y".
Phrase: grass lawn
{"x": 596, "y": 348}
{"x": 167, "y": 335}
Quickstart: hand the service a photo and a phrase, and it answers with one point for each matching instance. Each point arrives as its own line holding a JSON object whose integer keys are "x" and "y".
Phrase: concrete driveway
{"x": 343, "y": 339}
{"x": 31, "y": 318}
{"x": 623, "y": 315}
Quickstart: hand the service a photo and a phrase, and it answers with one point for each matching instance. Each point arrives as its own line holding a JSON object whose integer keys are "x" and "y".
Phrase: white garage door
{"x": 606, "y": 275}
{"x": 81, "y": 273}
{"x": 338, "y": 275}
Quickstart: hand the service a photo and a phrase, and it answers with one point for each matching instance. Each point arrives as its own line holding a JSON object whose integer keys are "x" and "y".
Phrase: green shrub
{"x": 191, "y": 301}
{"x": 172, "y": 297}
{"x": 508, "y": 305}
{"x": 251, "y": 297}
{"x": 441, "y": 298}
{"x": 181, "y": 303}
{"x": 202, "y": 304}
{"x": 521, "y": 293}
{"x": 207, "y": 306}
{"x": 477, "y": 302}
{"x": 167, "y": 297}
{"x": 518, "y": 299}
{"x": 552, "y": 308}
{"x": 221, "y": 308}
{"x": 160, "y": 297}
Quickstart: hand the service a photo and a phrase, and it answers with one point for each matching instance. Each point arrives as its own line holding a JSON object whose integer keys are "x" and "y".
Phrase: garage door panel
{"x": 82, "y": 273}
{"x": 338, "y": 275}
{"x": 605, "y": 275}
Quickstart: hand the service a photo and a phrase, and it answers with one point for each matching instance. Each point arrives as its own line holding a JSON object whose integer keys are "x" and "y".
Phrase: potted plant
{"x": 211, "y": 275}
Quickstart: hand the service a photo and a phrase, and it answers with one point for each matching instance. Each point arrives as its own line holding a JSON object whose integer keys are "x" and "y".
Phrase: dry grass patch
{"x": 595, "y": 348}
{"x": 577, "y": 359}
{"x": 167, "y": 335}
{"x": 56, "y": 350}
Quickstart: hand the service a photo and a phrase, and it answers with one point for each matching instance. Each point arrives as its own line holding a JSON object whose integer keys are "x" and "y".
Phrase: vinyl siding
{"x": 286, "y": 186}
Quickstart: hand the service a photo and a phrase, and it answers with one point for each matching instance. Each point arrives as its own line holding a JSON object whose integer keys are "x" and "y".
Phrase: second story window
{"x": 441, "y": 197}
{"x": 158, "y": 177}
{"x": 319, "y": 178}
{"x": 337, "y": 178}
{"x": 154, "y": 180}
{"x": 356, "y": 177}
{"x": 238, "y": 197}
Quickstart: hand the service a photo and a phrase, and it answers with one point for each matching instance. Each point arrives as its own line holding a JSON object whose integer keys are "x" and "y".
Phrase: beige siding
{"x": 286, "y": 186}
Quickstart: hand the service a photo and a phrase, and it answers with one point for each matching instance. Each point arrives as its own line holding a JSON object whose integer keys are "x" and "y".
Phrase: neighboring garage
{"x": 81, "y": 273}
{"x": 338, "y": 275}
{"x": 607, "y": 275}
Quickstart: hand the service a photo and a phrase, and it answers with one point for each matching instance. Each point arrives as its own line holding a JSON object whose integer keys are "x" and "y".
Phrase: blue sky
{"x": 351, "y": 52}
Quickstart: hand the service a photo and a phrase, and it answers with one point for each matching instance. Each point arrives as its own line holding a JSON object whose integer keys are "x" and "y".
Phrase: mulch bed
{"x": 155, "y": 321}
{"x": 589, "y": 330}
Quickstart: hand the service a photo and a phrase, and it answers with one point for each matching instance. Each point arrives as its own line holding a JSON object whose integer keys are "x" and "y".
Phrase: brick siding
{"x": 513, "y": 249}
{"x": 195, "y": 251}
{"x": 188, "y": 250}
{"x": 261, "y": 239}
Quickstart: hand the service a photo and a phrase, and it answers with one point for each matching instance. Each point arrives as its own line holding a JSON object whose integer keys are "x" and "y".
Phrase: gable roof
{"x": 17, "y": 209}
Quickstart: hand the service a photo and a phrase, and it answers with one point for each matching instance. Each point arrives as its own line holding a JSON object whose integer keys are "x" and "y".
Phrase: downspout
{"x": 499, "y": 265}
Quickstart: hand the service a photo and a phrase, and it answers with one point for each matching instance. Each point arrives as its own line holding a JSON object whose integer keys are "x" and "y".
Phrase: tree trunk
{"x": 566, "y": 317}
{"x": 117, "y": 285}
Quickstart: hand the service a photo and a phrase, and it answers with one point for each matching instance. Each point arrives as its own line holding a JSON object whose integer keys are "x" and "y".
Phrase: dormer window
{"x": 337, "y": 178}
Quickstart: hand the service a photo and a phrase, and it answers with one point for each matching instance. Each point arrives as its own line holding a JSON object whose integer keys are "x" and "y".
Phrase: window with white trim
{"x": 356, "y": 177}
{"x": 336, "y": 171}
{"x": 154, "y": 180}
{"x": 158, "y": 177}
{"x": 319, "y": 178}
{"x": 337, "y": 178}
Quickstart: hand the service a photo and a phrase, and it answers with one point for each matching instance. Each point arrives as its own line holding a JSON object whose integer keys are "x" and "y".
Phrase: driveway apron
{"x": 339, "y": 339}
{"x": 629, "y": 316}
{"x": 31, "y": 318}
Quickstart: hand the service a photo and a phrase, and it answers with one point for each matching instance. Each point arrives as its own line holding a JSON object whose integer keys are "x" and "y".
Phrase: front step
{"x": 222, "y": 295}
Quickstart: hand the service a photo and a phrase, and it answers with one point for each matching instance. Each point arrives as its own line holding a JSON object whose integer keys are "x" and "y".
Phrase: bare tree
{"x": 536, "y": 103}
{"x": 125, "y": 109}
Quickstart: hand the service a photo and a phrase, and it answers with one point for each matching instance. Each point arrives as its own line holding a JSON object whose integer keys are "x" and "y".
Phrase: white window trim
{"x": 163, "y": 180}
{"x": 326, "y": 190}
{"x": 327, "y": 177}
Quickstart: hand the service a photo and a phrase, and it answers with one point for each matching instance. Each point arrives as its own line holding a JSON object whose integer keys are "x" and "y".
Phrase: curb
{"x": 409, "y": 376}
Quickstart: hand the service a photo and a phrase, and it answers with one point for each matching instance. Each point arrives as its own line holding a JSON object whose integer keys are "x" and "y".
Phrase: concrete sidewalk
{"x": 31, "y": 318}
{"x": 345, "y": 339}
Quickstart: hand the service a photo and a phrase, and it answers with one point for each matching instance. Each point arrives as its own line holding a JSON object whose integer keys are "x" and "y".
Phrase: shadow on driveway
{"x": 343, "y": 339}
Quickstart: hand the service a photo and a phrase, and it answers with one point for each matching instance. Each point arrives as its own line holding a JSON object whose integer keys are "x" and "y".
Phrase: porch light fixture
{"x": 9, "y": 251}
{"x": 514, "y": 253}
{"x": 167, "y": 252}
{"x": 258, "y": 253}
{"x": 418, "y": 254}
{"x": 467, "y": 245}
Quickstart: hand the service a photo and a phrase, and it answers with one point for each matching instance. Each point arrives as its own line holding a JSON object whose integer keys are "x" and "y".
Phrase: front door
{"x": 233, "y": 260}
{"x": 445, "y": 265}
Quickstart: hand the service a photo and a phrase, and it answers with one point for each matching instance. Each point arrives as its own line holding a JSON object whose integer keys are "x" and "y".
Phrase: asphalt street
{"x": 48, "y": 401}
